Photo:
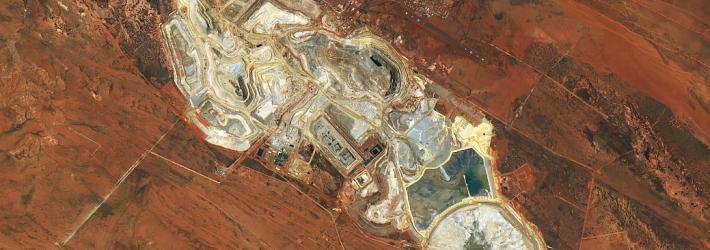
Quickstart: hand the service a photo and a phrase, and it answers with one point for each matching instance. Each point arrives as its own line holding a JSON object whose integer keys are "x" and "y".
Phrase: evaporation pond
{"x": 461, "y": 176}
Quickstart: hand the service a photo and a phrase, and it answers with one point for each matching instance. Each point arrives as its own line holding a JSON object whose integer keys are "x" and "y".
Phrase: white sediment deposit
{"x": 477, "y": 227}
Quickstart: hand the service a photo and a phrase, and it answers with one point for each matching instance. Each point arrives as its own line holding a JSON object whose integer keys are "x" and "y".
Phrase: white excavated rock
{"x": 477, "y": 227}
{"x": 268, "y": 17}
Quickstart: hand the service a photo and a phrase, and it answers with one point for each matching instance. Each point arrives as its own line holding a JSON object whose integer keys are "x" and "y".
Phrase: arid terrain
{"x": 601, "y": 112}
{"x": 95, "y": 154}
{"x": 604, "y": 107}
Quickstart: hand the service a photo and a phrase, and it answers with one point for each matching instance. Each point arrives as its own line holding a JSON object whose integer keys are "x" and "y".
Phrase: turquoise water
{"x": 474, "y": 182}
{"x": 473, "y": 168}
{"x": 464, "y": 176}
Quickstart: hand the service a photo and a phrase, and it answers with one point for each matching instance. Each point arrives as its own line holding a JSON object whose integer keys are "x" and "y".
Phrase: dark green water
{"x": 474, "y": 182}
{"x": 435, "y": 192}
{"x": 471, "y": 165}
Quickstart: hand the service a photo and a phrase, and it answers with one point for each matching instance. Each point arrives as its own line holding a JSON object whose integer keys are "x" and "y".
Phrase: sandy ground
{"x": 586, "y": 94}
{"x": 93, "y": 154}
{"x": 603, "y": 107}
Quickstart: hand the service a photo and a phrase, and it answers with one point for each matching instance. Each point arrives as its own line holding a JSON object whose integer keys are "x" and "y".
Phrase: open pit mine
{"x": 345, "y": 114}
{"x": 354, "y": 124}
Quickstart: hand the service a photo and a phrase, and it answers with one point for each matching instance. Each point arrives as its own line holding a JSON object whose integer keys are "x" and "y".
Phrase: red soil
{"x": 608, "y": 93}
{"x": 93, "y": 153}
